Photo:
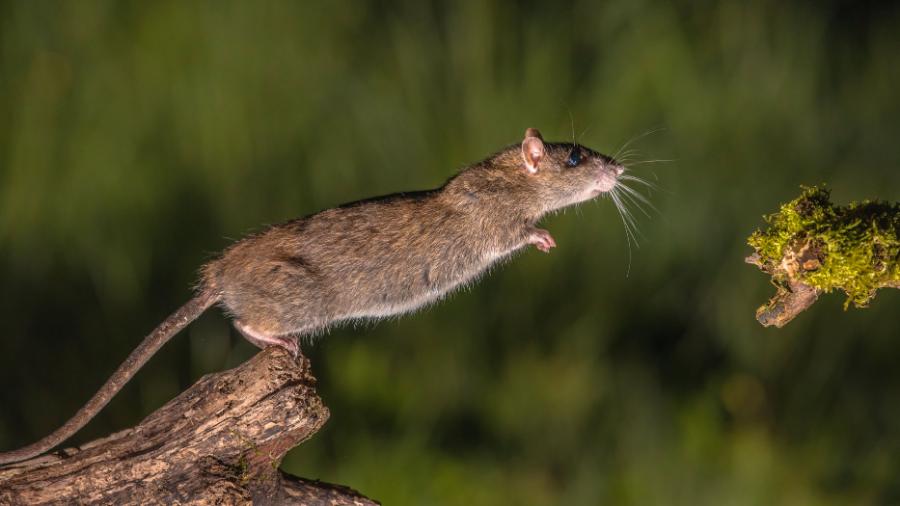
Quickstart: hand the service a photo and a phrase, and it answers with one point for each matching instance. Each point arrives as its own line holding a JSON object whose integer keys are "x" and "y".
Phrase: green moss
{"x": 856, "y": 247}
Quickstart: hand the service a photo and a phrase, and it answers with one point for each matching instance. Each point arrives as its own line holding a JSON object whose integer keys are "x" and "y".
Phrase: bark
{"x": 219, "y": 442}
{"x": 790, "y": 299}
{"x": 793, "y": 296}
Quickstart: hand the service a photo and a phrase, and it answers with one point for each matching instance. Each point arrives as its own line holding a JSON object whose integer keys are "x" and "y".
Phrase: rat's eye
{"x": 574, "y": 157}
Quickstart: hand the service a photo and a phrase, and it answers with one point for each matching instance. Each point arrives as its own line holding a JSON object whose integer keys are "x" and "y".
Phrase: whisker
{"x": 642, "y": 162}
{"x": 652, "y": 173}
{"x": 651, "y": 187}
{"x": 628, "y": 216}
{"x": 626, "y": 198}
{"x": 628, "y": 236}
{"x": 582, "y": 133}
{"x": 637, "y": 195}
{"x": 636, "y": 231}
{"x": 632, "y": 177}
{"x": 628, "y": 152}
{"x": 572, "y": 121}
{"x": 623, "y": 158}
{"x": 648, "y": 184}
{"x": 641, "y": 136}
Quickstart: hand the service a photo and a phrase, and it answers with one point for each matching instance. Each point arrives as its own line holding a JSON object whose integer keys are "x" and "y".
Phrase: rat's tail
{"x": 150, "y": 345}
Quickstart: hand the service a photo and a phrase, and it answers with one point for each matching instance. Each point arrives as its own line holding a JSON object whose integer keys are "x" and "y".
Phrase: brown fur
{"x": 392, "y": 254}
{"x": 374, "y": 258}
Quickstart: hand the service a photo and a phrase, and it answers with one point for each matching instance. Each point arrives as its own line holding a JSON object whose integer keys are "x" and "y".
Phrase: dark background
{"x": 139, "y": 138}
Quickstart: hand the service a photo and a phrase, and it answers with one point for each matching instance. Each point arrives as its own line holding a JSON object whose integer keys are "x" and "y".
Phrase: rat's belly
{"x": 400, "y": 296}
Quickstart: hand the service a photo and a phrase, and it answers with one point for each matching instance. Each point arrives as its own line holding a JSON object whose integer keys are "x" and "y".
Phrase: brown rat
{"x": 375, "y": 258}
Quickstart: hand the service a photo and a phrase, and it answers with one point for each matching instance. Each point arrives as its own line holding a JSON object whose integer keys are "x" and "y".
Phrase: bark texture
{"x": 219, "y": 442}
{"x": 790, "y": 299}
{"x": 792, "y": 295}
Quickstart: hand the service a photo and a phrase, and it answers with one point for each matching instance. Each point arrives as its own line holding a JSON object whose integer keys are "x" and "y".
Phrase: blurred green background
{"x": 139, "y": 138}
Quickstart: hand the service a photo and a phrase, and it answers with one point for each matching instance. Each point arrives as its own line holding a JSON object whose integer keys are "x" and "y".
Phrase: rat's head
{"x": 565, "y": 174}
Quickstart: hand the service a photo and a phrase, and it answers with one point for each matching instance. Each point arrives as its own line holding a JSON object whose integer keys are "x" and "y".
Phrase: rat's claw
{"x": 542, "y": 240}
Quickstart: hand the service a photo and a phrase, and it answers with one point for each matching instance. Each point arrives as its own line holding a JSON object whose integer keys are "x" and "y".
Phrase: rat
{"x": 374, "y": 258}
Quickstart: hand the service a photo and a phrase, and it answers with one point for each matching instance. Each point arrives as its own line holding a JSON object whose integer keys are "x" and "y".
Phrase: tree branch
{"x": 812, "y": 246}
{"x": 788, "y": 302}
{"x": 219, "y": 442}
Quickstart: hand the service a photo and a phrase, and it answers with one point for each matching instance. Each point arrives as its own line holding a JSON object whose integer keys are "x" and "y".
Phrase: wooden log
{"x": 219, "y": 442}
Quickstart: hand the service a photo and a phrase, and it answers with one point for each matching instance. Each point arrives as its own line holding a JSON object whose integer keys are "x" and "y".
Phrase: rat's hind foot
{"x": 263, "y": 340}
{"x": 541, "y": 239}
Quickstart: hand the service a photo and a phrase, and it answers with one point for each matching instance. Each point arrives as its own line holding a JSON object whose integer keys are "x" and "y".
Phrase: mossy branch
{"x": 813, "y": 247}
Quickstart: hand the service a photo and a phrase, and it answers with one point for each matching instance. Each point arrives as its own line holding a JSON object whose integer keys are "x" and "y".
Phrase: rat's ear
{"x": 532, "y": 150}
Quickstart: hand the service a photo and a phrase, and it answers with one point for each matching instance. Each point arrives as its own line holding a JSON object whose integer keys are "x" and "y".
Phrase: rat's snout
{"x": 606, "y": 175}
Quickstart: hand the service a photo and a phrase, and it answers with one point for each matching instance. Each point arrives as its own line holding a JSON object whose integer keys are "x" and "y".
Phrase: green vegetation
{"x": 854, "y": 248}
{"x": 138, "y": 138}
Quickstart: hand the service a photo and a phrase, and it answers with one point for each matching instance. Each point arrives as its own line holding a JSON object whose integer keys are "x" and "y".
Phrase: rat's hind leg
{"x": 263, "y": 340}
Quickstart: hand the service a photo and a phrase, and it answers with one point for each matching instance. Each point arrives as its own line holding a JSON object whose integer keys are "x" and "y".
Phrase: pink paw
{"x": 542, "y": 240}
{"x": 263, "y": 340}
{"x": 290, "y": 344}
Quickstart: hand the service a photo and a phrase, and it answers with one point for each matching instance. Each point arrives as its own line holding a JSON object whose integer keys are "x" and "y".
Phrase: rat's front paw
{"x": 541, "y": 239}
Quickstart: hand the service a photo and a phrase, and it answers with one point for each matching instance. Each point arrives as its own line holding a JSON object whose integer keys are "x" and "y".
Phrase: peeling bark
{"x": 791, "y": 298}
{"x": 219, "y": 442}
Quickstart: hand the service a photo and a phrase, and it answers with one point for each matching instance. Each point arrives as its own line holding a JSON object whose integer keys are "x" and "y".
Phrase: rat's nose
{"x": 619, "y": 169}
